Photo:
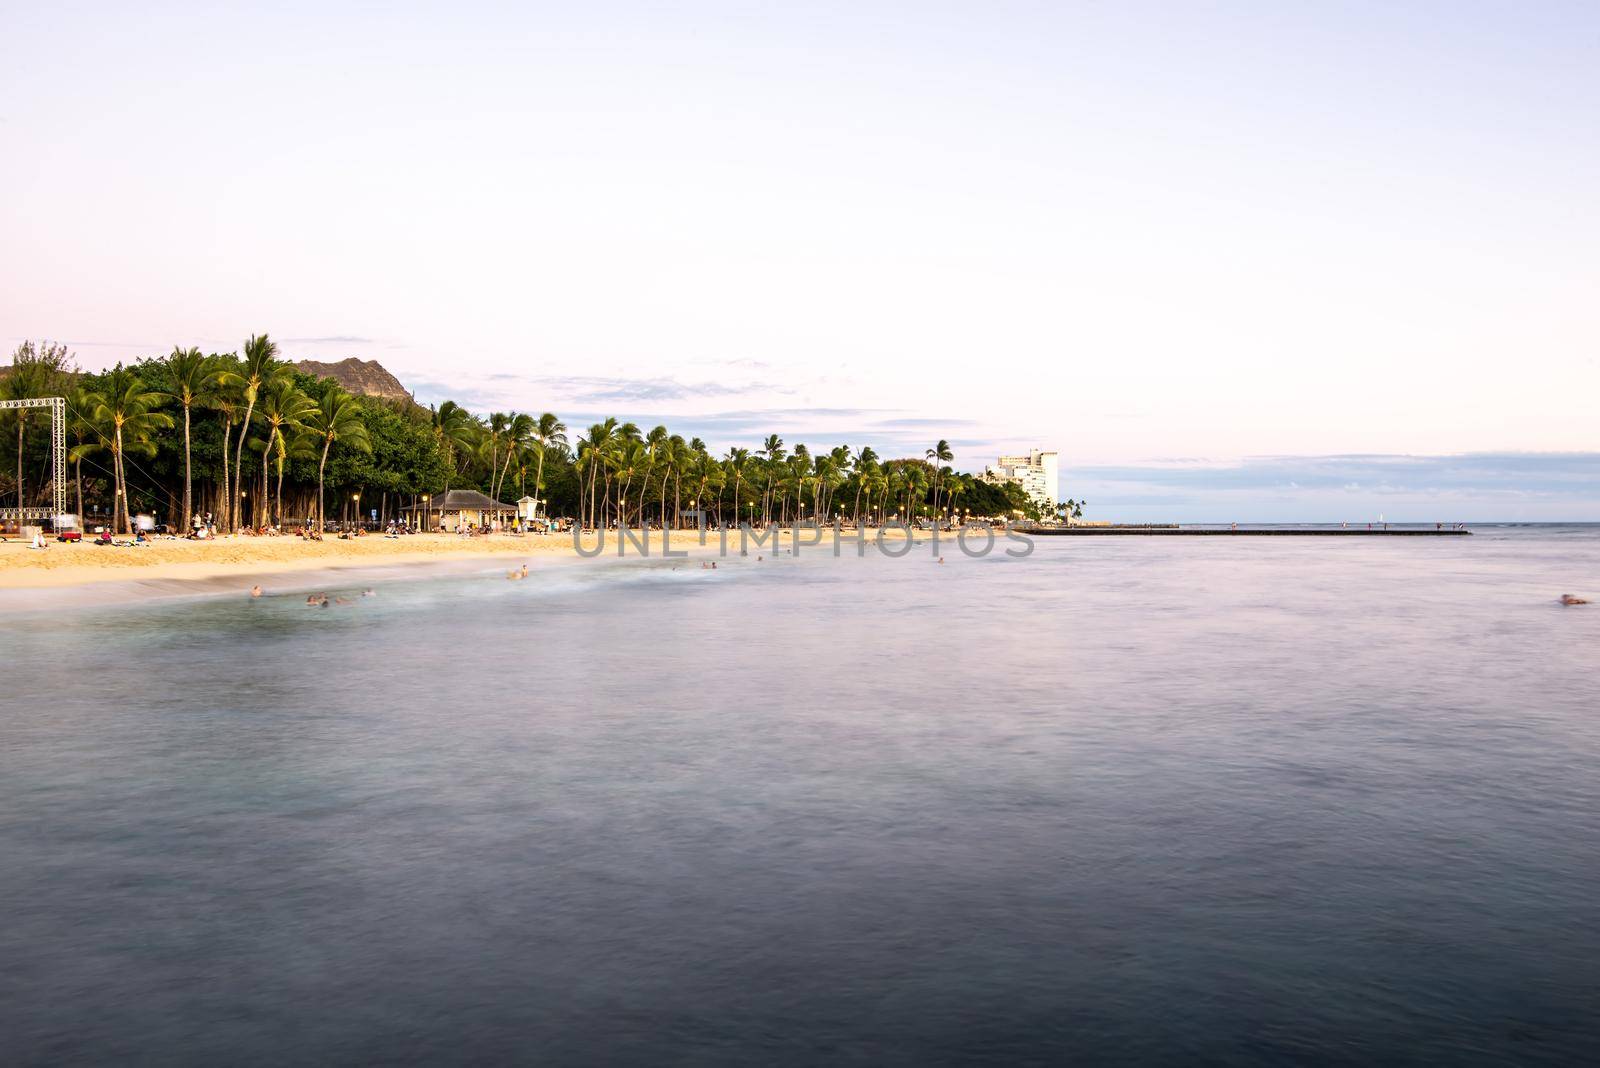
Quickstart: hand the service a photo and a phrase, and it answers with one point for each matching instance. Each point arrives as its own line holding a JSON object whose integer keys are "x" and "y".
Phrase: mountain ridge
{"x": 368, "y": 378}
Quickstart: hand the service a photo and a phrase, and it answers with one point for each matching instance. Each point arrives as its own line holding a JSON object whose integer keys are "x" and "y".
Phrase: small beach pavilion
{"x": 458, "y": 508}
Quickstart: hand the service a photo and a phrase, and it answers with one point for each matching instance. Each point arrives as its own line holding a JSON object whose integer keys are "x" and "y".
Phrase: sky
{"x": 1233, "y": 261}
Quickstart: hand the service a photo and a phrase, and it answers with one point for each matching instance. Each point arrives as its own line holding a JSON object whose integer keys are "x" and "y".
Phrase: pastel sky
{"x": 1233, "y": 261}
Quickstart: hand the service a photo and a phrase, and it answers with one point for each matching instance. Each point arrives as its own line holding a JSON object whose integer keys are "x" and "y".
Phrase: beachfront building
{"x": 458, "y": 508}
{"x": 1036, "y": 473}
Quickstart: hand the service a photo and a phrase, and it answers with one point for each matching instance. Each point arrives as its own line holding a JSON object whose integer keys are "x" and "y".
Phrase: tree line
{"x": 253, "y": 441}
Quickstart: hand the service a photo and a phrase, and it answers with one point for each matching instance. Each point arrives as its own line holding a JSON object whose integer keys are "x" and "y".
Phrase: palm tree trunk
{"x": 538, "y": 479}
{"x": 501, "y": 480}
{"x": 321, "y": 465}
{"x": 21, "y": 423}
{"x": 227, "y": 488}
{"x": 188, "y": 481}
{"x": 119, "y": 509}
{"x": 238, "y": 461}
{"x": 591, "y": 514}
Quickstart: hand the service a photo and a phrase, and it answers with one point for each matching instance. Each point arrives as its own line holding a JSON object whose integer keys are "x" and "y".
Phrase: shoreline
{"x": 79, "y": 565}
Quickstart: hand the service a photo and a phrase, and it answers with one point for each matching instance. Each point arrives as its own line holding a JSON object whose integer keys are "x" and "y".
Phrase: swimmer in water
{"x": 369, "y": 592}
{"x": 524, "y": 570}
{"x": 255, "y": 591}
{"x": 311, "y": 600}
{"x": 1569, "y": 599}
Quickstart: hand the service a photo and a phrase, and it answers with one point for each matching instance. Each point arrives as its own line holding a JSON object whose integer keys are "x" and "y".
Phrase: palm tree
{"x": 957, "y": 485}
{"x": 675, "y": 454}
{"x": 296, "y": 443}
{"x": 939, "y": 454}
{"x": 498, "y": 424}
{"x": 705, "y": 475}
{"x": 225, "y": 399}
{"x": 259, "y": 368}
{"x": 737, "y": 461}
{"x": 916, "y": 490}
{"x": 125, "y": 410}
{"x": 192, "y": 375}
{"x": 547, "y": 431}
{"x": 772, "y": 450}
{"x": 592, "y": 448}
{"x": 865, "y": 462}
{"x": 632, "y": 461}
{"x": 337, "y": 419}
{"x": 284, "y": 408}
{"x": 658, "y": 446}
{"x": 798, "y": 470}
{"x": 453, "y": 430}
{"x": 517, "y": 433}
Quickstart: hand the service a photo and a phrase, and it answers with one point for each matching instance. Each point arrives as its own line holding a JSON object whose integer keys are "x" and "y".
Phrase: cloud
{"x": 593, "y": 389}
{"x": 100, "y": 344}
{"x": 920, "y": 424}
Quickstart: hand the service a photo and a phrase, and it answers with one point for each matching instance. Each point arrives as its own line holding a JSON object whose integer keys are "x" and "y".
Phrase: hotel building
{"x": 1035, "y": 473}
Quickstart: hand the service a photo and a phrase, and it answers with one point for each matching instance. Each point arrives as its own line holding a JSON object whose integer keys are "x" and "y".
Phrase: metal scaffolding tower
{"x": 58, "y": 456}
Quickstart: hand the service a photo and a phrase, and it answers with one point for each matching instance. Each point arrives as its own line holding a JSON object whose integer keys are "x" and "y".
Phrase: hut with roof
{"x": 457, "y": 508}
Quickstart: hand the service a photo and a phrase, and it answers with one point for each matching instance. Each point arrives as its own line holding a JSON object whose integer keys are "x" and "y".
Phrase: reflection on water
{"x": 1197, "y": 799}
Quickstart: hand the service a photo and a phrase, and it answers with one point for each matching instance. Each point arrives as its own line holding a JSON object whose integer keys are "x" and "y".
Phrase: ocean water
{"x": 1200, "y": 800}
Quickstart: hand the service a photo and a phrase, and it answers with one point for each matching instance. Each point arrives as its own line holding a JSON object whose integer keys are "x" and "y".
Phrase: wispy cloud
{"x": 594, "y": 389}
{"x": 98, "y": 344}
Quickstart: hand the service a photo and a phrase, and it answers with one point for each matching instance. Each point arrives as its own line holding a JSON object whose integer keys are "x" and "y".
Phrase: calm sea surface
{"x": 1208, "y": 800}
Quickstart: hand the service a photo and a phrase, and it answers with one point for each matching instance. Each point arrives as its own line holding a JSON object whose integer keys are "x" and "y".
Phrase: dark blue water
{"x": 1200, "y": 800}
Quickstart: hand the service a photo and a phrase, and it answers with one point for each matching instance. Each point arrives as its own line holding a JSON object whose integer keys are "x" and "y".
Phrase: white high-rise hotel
{"x": 1035, "y": 473}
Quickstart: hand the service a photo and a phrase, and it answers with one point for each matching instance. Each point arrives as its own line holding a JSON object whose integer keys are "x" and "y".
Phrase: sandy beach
{"x": 65, "y": 565}
{"x": 82, "y": 563}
